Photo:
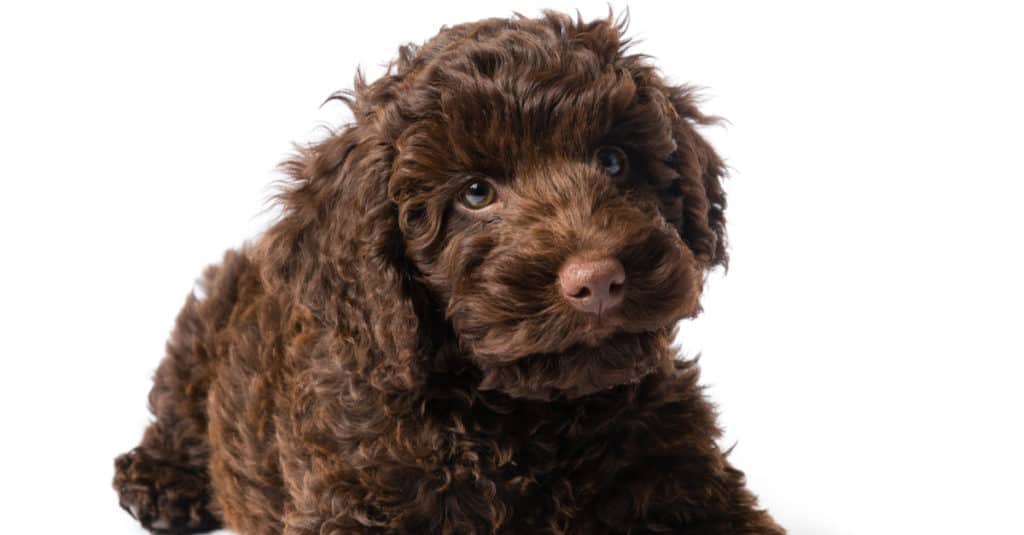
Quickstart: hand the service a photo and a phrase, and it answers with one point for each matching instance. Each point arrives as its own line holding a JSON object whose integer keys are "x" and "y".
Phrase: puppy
{"x": 461, "y": 322}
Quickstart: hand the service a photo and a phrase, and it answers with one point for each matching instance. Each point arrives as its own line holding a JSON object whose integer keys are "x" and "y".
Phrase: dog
{"x": 461, "y": 321}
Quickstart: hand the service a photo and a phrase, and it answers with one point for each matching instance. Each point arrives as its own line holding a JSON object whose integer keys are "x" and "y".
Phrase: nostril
{"x": 582, "y": 293}
{"x": 615, "y": 289}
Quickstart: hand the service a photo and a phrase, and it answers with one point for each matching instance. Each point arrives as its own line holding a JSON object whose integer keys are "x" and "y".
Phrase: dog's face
{"x": 555, "y": 201}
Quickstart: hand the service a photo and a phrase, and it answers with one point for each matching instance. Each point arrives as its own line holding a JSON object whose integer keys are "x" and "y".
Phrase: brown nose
{"x": 593, "y": 286}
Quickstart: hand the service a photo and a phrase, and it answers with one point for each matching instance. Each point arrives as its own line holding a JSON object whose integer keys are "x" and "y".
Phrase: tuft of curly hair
{"x": 461, "y": 323}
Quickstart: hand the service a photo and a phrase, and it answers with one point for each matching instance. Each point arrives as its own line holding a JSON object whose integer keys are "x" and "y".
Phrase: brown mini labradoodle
{"x": 461, "y": 322}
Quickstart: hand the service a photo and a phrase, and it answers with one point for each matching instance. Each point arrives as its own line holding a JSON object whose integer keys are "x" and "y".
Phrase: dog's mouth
{"x": 559, "y": 332}
{"x": 569, "y": 354}
{"x": 595, "y": 331}
{"x": 532, "y": 332}
{"x": 584, "y": 368}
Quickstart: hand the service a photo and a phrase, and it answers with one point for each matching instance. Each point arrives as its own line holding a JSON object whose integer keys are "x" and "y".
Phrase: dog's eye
{"x": 478, "y": 194}
{"x": 612, "y": 160}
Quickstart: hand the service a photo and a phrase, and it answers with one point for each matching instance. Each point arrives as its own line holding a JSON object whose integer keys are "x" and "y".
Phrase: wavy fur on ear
{"x": 704, "y": 199}
{"x": 338, "y": 252}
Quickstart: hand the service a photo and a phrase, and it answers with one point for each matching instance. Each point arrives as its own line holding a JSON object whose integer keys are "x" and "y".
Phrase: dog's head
{"x": 526, "y": 183}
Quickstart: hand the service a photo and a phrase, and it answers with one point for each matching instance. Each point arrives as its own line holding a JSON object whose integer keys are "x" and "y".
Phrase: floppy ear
{"x": 701, "y": 172}
{"x": 336, "y": 259}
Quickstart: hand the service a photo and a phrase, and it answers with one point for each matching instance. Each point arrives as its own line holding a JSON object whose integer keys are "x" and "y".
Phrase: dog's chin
{"x": 599, "y": 361}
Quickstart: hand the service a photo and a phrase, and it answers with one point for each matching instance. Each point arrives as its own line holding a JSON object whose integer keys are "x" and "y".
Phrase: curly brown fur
{"x": 385, "y": 360}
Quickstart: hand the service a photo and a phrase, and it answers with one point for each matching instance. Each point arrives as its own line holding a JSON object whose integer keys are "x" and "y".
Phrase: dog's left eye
{"x": 612, "y": 159}
{"x": 477, "y": 195}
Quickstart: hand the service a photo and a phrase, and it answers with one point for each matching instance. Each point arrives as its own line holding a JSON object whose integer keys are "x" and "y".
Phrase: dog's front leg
{"x": 681, "y": 495}
{"x": 719, "y": 504}
{"x": 353, "y": 468}
{"x": 670, "y": 475}
{"x": 332, "y": 460}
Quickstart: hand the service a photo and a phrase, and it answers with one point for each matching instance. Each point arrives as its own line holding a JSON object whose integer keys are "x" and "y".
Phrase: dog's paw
{"x": 163, "y": 497}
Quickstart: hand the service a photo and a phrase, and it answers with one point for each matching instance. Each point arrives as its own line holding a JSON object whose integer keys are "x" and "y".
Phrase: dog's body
{"x": 461, "y": 323}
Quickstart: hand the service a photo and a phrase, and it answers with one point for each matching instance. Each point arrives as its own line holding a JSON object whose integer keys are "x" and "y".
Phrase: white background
{"x": 864, "y": 348}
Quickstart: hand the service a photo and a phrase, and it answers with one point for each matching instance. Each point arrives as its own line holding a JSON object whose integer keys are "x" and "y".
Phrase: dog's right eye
{"x": 612, "y": 160}
{"x": 477, "y": 195}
